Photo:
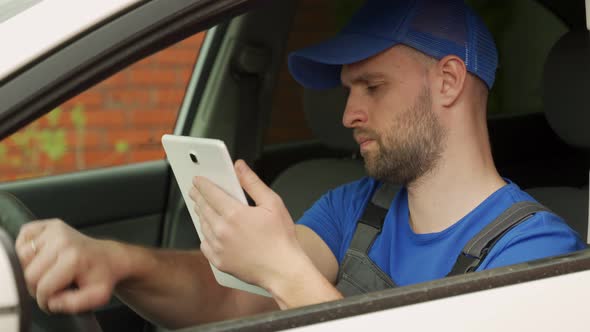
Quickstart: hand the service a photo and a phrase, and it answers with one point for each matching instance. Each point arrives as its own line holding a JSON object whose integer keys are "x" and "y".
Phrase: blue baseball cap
{"x": 434, "y": 27}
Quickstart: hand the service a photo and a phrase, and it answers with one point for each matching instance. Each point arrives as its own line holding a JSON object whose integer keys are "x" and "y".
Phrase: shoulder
{"x": 545, "y": 234}
{"x": 542, "y": 235}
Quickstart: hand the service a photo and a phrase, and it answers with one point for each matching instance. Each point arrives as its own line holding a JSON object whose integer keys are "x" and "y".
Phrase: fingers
{"x": 210, "y": 220}
{"x": 257, "y": 189}
{"x": 80, "y": 300}
{"x": 58, "y": 277}
{"x": 30, "y": 231}
{"x": 27, "y": 251}
{"x": 26, "y": 242}
{"x": 206, "y": 230}
{"x": 217, "y": 198}
{"x": 199, "y": 200}
{"x": 54, "y": 256}
{"x": 40, "y": 263}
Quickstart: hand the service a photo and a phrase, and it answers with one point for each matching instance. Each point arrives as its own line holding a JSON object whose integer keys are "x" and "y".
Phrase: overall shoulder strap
{"x": 371, "y": 222}
{"x": 479, "y": 246}
{"x": 358, "y": 274}
{"x": 384, "y": 195}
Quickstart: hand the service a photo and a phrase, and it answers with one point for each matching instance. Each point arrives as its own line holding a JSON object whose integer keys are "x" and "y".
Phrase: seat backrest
{"x": 566, "y": 83}
{"x": 568, "y": 202}
{"x": 303, "y": 183}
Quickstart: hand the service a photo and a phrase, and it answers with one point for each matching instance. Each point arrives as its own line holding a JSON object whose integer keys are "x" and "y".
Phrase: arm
{"x": 171, "y": 288}
{"x": 177, "y": 289}
{"x": 261, "y": 245}
{"x": 153, "y": 289}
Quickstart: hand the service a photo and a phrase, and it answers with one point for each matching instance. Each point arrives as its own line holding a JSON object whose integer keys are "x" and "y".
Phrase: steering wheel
{"x": 14, "y": 214}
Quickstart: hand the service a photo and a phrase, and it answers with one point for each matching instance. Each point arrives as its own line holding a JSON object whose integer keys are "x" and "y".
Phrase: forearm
{"x": 171, "y": 288}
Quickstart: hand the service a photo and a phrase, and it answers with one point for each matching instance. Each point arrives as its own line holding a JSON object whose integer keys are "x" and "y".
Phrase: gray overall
{"x": 358, "y": 274}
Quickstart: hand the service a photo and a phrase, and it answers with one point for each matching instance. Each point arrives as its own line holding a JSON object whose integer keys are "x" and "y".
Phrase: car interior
{"x": 240, "y": 92}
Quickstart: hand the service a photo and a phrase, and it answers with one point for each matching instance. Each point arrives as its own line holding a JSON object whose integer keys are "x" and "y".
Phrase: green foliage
{"x": 33, "y": 142}
{"x": 23, "y": 139}
{"x": 78, "y": 117}
{"x": 53, "y": 143}
{"x": 3, "y": 151}
{"x": 121, "y": 146}
{"x": 53, "y": 117}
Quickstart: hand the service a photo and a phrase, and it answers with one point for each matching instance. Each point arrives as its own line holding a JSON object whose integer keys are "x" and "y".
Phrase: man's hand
{"x": 65, "y": 270}
{"x": 256, "y": 244}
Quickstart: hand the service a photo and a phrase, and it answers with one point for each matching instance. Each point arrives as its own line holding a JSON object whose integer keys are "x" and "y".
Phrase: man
{"x": 418, "y": 75}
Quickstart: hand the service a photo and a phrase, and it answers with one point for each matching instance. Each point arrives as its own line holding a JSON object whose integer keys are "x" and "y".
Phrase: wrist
{"x": 120, "y": 260}
{"x": 299, "y": 283}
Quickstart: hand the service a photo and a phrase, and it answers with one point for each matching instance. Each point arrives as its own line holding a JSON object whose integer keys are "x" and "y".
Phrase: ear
{"x": 451, "y": 74}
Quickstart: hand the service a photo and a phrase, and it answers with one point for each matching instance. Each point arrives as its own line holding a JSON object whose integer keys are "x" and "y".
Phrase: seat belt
{"x": 248, "y": 69}
{"x": 358, "y": 274}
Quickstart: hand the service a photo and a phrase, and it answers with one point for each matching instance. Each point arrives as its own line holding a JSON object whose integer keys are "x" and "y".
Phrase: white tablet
{"x": 190, "y": 157}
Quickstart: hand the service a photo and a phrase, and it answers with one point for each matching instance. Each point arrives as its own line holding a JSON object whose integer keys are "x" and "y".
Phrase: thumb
{"x": 259, "y": 191}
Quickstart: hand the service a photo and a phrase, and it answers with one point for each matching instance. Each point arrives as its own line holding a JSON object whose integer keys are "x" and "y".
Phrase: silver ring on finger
{"x": 33, "y": 247}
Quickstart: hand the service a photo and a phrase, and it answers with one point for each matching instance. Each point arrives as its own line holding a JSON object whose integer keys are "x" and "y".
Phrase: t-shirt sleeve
{"x": 335, "y": 213}
{"x": 324, "y": 219}
{"x": 543, "y": 235}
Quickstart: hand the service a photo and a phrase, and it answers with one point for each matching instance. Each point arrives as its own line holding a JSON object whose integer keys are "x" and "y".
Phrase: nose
{"x": 355, "y": 113}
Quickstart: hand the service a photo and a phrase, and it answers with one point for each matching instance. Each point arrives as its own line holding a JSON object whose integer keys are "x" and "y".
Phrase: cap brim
{"x": 319, "y": 66}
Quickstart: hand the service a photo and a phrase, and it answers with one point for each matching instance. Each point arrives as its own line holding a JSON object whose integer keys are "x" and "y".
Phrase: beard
{"x": 411, "y": 148}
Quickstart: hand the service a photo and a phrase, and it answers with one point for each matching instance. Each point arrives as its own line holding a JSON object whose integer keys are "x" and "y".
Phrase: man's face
{"x": 390, "y": 111}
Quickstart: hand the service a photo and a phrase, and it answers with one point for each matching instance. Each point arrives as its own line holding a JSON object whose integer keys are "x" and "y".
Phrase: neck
{"x": 463, "y": 178}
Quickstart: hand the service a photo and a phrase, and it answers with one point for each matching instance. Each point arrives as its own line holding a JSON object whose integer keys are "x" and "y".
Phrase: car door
{"x": 109, "y": 91}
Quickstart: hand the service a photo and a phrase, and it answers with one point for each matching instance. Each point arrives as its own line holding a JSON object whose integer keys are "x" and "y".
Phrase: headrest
{"x": 566, "y": 88}
{"x": 323, "y": 110}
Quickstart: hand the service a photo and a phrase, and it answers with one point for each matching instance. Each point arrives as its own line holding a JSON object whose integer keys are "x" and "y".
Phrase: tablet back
{"x": 192, "y": 156}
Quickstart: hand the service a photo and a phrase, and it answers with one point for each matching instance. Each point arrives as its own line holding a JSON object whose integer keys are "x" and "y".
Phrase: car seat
{"x": 566, "y": 83}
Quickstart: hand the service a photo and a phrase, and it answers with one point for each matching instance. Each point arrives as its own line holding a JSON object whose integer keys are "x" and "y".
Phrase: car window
{"x": 118, "y": 121}
{"x": 524, "y": 32}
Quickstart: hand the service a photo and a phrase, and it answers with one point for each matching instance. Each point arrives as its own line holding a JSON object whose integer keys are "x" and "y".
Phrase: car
{"x": 236, "y": 88}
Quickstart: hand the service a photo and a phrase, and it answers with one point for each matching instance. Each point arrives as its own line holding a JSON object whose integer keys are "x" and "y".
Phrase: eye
{"x": 373, "y": 88}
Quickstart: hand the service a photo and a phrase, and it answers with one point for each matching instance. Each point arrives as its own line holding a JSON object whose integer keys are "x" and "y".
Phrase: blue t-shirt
{"x": 410, "y": 258}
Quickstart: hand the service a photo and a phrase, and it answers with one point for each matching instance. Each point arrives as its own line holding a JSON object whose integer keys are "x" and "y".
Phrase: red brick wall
{"x": 118, "y": 121}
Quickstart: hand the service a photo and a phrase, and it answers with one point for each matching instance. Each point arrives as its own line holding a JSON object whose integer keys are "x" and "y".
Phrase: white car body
{"x": 56, "y": 21}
